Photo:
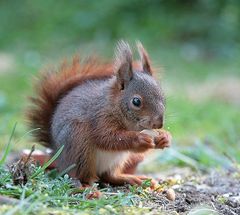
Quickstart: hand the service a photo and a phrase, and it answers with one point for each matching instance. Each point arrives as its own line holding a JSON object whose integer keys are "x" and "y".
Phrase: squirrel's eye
{"x": 136, "y": 102}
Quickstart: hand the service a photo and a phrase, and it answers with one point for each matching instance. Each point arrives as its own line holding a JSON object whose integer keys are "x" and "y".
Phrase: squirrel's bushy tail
{"x": 53, "y": 85}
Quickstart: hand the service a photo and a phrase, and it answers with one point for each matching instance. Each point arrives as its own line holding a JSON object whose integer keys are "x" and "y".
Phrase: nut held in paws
{"x": 151, "y": 133}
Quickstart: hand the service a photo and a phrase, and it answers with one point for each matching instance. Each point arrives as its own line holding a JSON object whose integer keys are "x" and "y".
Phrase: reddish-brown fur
{"x": 53, "y": 85}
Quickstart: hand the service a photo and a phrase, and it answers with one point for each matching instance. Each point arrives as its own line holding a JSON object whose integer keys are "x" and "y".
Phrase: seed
{"x": 171, "y": 194}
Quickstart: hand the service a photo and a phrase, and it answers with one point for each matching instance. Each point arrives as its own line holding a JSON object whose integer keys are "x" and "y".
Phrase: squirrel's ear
{"x": 123, "y": 64}
{"x": 145, "y": 61}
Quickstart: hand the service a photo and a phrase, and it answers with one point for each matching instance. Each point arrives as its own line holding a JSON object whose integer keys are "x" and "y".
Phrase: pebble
{"x": 171, "y": 194}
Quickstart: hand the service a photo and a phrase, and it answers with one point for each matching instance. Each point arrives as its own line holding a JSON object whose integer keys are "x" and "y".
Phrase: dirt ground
{"x": 221, "y": 192}
{"x": 215, "y": 193}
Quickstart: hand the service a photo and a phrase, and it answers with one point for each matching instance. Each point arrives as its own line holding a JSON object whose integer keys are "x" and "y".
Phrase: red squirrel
{"x": 97, "y": 110}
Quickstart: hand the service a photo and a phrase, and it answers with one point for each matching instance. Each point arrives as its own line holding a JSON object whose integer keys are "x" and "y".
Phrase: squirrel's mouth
{"x": 149, "y": 125}
{"x": 142, "y": 127}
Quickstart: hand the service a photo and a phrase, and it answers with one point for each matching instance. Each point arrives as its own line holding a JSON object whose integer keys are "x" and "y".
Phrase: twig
{"x": 8, "y": 200}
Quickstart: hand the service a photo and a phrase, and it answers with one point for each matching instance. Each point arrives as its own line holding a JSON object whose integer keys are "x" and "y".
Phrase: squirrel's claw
{"x": 163, "y": 140}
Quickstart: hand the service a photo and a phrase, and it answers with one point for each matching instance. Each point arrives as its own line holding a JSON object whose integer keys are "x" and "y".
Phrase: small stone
{"x": 171, "y": 194}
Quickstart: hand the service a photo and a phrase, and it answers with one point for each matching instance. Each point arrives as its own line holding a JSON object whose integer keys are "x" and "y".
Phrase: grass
{"x": 50, "y": 192}
{"x": 56, "y": 193}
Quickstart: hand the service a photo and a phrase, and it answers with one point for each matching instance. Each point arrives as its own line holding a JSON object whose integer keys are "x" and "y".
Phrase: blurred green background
{"x": 197, "y": 43}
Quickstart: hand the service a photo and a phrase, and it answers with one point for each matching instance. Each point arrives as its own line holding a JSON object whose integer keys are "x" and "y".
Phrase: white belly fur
{"x": 106, "y": 161}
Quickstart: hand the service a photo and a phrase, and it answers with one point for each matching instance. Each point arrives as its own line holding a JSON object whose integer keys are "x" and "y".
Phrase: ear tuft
{"x": 145, "y": 61}
{"x": 123, "y": 54}
{"x": 123, "y": 64}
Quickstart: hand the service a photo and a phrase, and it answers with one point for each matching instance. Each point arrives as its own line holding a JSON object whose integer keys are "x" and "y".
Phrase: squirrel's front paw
{"x": 163, "y": 140}
{"x": 143, "y": 143}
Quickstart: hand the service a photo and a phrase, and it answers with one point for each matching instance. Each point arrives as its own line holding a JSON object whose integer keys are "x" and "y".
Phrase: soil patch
{"x": 217, "y": 193}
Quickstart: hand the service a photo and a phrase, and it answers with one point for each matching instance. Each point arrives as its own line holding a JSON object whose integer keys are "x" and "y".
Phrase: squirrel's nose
{"x": 157, "y": 122}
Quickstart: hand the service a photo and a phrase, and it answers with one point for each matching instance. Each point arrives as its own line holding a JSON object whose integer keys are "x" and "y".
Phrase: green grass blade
{"x": 21, "y": 205}
{"x": 47, "y": 163}
{"x": 27, "y": 133}
{"x": 184, "y": 158}
{"x": 8, "y": 147}
{"x": 66, "y": 170}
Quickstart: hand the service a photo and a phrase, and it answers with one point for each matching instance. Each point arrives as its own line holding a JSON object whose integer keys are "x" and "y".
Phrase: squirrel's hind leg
{"x": 130, "y": 166}
{"x": 120, "y": 179}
